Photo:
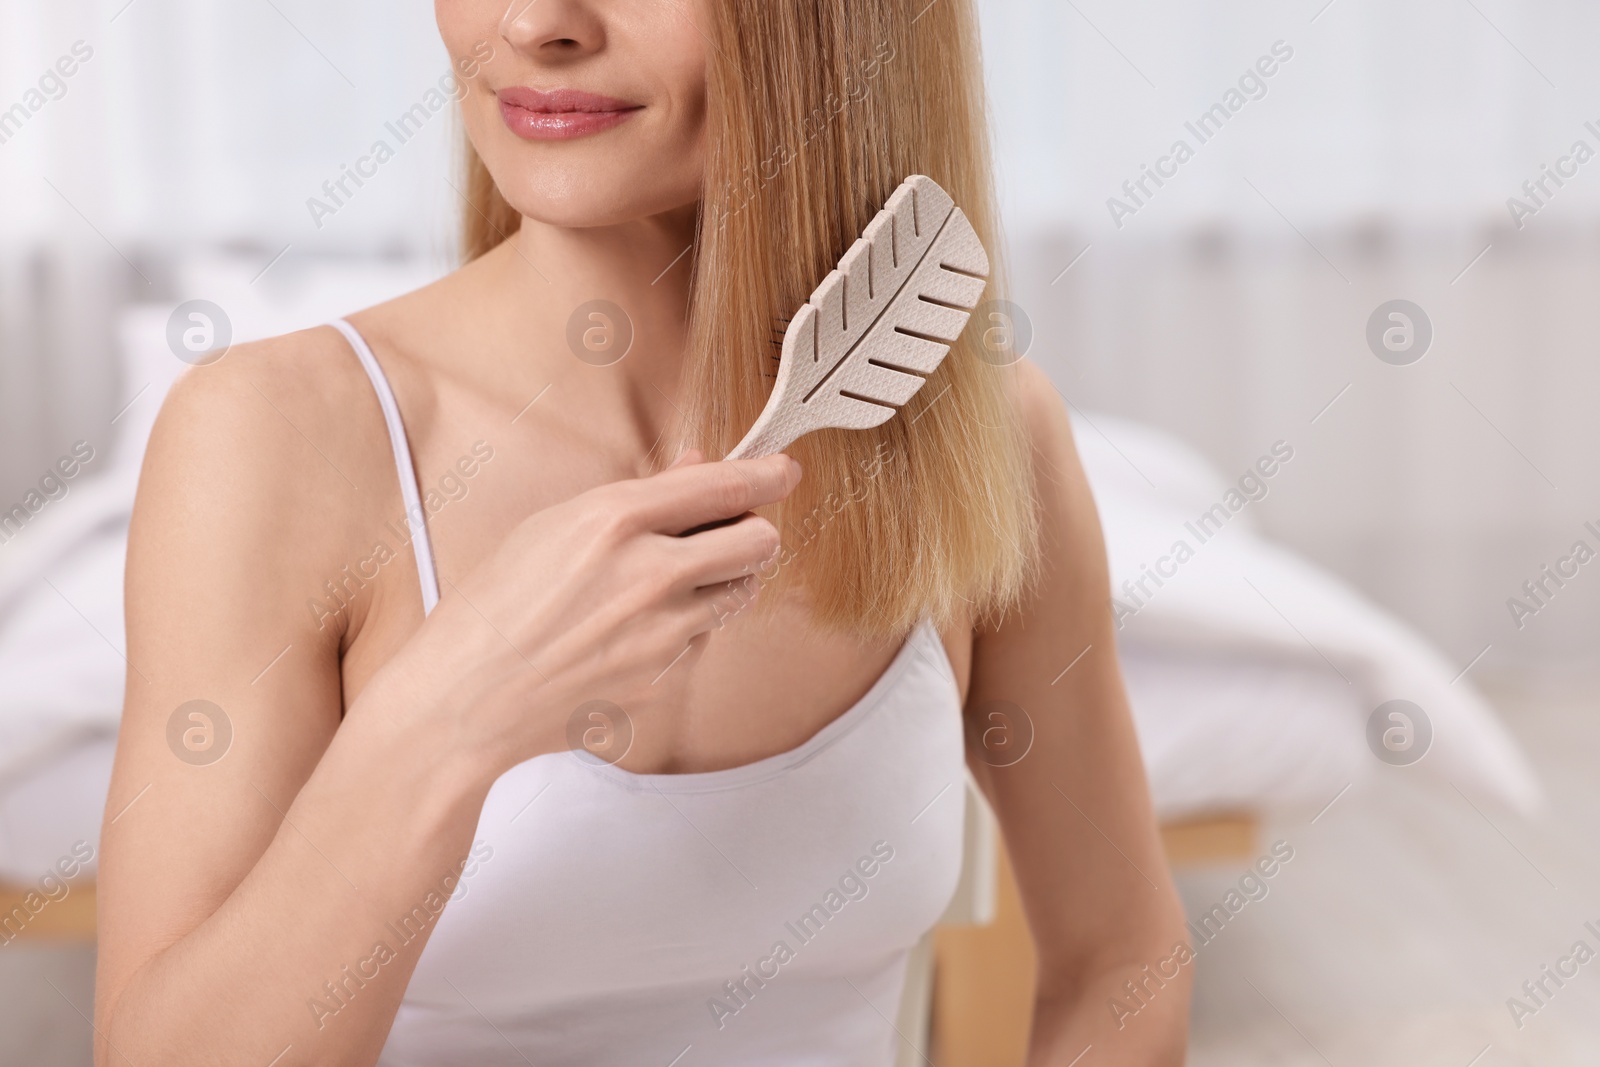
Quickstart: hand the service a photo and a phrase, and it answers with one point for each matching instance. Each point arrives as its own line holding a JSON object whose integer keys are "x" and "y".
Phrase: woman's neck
{"x": 601, "y": 312}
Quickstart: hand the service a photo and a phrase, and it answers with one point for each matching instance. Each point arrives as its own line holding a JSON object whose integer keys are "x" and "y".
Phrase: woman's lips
{"x": 560, "y": 114}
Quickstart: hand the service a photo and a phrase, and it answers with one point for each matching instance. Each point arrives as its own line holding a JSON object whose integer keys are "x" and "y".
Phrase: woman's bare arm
{"x": 231, "y": 891}
{"x": 1075, "y": 811}
{"x": 242, "y": 899}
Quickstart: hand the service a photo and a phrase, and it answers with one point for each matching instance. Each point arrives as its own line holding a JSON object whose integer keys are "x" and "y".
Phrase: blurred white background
{"x": 1230, "y": 308}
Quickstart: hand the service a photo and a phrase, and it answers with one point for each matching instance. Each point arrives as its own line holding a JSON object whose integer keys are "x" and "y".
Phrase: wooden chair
{"x": 969, "y": 987}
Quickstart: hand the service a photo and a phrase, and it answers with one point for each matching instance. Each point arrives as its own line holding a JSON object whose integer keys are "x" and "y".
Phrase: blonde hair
{"x": 818, "y": 109}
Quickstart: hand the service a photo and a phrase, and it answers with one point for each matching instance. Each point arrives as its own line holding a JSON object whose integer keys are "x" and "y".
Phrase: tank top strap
{"x": 416, "y": 517}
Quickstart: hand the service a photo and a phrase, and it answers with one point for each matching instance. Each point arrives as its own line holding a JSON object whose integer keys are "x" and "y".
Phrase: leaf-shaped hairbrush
{"x": 879, "y": 324}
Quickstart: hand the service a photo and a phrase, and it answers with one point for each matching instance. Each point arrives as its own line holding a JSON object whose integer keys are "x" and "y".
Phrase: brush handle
{"x": 759, "y": 442}
{"x": 779, "y": 426}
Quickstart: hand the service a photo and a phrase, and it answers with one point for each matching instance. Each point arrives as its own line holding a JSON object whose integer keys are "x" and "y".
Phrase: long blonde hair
{"x": 818, "y": 109}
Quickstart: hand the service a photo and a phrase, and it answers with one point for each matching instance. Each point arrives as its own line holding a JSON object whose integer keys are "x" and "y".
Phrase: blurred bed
{"x": 1252, "y": 673}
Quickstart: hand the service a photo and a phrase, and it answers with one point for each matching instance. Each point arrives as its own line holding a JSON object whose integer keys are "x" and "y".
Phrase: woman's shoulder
{"x": 264, "y": 469}
{"x": 267, "y": 407}
{"x": 307, "y": 387}
{"x": 1042, "y": 410}
{"x": 317, "y": 356}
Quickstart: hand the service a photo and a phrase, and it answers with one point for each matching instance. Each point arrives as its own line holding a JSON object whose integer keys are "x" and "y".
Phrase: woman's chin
{"x": 582, "y": 200}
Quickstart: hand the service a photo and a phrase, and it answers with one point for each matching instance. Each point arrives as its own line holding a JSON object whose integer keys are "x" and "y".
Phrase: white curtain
{"x": 1421, "y": 114}
{"x": 198, "y": 122}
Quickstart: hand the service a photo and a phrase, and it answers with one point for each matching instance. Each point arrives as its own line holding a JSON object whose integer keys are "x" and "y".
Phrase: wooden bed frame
{"x": 70, "y": 918}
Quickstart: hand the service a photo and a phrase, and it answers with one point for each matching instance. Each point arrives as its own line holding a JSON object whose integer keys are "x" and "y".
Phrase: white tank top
{"x": 760, "y": 915}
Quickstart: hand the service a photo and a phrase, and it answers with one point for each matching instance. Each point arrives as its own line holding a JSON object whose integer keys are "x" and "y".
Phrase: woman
{"x": 769, "y": 812}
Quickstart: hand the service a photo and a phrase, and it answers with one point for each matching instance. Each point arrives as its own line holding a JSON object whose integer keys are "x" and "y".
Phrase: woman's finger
{"x": 725, "y": 552}
{"x": 693, "y": 495}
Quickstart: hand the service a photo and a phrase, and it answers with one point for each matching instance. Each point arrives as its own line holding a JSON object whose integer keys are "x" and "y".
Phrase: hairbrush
{"x": 878, "y": 325}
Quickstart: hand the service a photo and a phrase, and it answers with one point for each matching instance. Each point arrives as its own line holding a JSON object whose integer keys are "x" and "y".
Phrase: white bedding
{"x": 60, "y": 653}
{"x": 1235, "y": 731}
{"x": 1242, "y": 602}
{"x": 57, "y": 803}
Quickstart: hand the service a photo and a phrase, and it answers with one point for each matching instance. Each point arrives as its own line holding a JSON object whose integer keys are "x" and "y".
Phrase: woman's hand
{"x": 599, "y": 597}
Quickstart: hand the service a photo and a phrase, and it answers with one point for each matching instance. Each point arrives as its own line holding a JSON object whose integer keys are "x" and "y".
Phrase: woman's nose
{"x": 553, "y": 29}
